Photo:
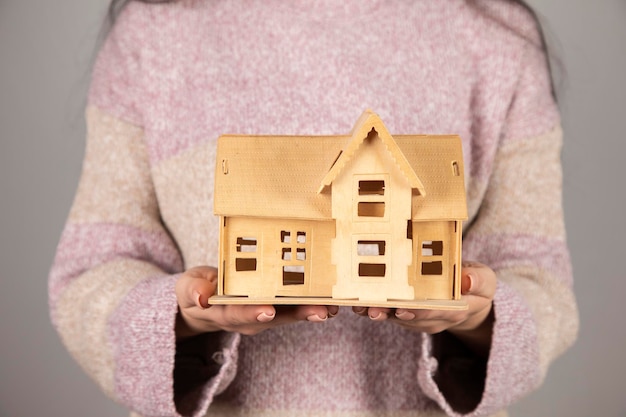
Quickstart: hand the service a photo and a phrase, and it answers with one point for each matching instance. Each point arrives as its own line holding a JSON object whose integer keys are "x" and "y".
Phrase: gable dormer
{"x": 367, "y": 130}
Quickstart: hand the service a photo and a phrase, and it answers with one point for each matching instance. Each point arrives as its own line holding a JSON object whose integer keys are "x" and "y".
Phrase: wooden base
{"x": 410, "y": 304}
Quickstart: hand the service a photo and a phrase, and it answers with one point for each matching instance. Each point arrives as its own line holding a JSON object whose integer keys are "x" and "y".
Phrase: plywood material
{"x": 325, "y": 199}
{"x": 412, "y": 304}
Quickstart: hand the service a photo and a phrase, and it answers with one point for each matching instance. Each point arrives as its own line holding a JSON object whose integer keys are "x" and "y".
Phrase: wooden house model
{"x": 361, "y": 219}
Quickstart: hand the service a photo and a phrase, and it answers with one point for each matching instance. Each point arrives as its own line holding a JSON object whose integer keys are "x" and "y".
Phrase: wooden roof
{"x": 280, "y": 176}
{"x": 369, "y": 122}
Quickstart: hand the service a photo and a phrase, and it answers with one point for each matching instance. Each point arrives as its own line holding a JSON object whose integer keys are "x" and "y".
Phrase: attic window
{"x": 370, "y": 195}
{"x": 375, "y": 187}
{"x": 371, "y": 209}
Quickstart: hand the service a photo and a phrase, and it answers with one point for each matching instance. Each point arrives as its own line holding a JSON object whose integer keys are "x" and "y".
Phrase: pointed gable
{"x": 368, "y": 124}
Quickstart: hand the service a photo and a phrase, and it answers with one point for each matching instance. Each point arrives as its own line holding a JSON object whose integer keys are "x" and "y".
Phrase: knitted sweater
{"x": 171, "y": 78}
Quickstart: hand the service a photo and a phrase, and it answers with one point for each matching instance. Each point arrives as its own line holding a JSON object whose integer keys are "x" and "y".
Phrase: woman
{"x": 134, "y": 268}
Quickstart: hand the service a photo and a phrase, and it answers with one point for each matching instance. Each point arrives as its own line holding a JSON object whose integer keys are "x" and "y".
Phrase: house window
{"x": 430, "y": 264}
{"x": 246, "y": 248}
{"x": 293, "y": 275}
{"x": 432, "y": 268}
{"x": 293, "y": 256}
{"x": 245, "y": 264}
{"x": 374, "y": 187}
{"x": 372, "y": 270}
{"x": 372, "y": 209}
{"x": 371, "y": 257}
{"x": 300, "y": 254}
{"x": 246, "y": 244}
{"x": 371, "y": 196}
{"x": 432, "y": 248}
{"x": 371, "y": 248}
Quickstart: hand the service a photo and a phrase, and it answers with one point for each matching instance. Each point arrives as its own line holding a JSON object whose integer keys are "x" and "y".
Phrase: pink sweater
{"x": 171, "y": 78}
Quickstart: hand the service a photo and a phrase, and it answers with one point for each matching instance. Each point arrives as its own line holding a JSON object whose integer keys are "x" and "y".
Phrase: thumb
{"x": 477, "y": 279}
{"x": 195, "y": 286}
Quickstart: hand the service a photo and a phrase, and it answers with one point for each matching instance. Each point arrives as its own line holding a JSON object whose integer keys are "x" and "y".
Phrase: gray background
{"x": 45, "y": 51}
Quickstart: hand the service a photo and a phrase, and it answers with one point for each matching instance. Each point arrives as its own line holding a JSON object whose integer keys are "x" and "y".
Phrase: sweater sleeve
{"x": 111, "y": 287}
{"x": 519, "y": 232}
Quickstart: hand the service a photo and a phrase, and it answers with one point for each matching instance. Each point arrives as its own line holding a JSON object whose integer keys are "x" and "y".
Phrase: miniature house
{"x": 361, "y": 219}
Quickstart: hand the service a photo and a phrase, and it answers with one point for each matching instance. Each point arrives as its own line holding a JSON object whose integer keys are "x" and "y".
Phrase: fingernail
{"x": 333, "y": 311}
{"x": 197, "y": 296}
{"x": 405, "y": 315}
{"x": 264, "y": 317}
{"x": 360, "y": 310}
{"x": 316, "y": 319}
{"x": 471, "y": 282}
{"x": 377, "y": 316}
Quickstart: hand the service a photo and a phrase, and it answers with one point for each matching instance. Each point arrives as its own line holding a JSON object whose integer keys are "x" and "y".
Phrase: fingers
{"x": 234, "y": 316}
{"x": 252, "y": 319}
{"x": 312, "y": 313}
{"x": 198, "y": 284}
{"x": 478, "y": 280}
{"x": 404, "y": 314}
{"x": 428, "y": 321}
{"x": 195, "y": 286}
{"x": 374, "y": 313}
{"x": 478, "y": 286}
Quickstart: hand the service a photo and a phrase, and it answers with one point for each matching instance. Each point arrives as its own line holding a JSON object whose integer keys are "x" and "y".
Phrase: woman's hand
{"x": 472, "y": 326}
{"x": 196, "y": 316}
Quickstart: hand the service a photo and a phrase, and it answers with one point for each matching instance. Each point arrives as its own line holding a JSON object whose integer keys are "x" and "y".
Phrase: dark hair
{"x": 114, "y": 10}
{"x": 116, "y": 6}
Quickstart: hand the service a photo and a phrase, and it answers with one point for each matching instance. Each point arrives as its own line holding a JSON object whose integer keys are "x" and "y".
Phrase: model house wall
{"x": 366, "y": 218}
